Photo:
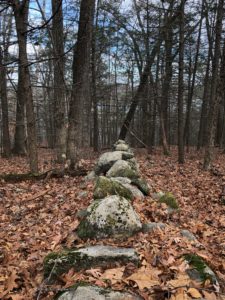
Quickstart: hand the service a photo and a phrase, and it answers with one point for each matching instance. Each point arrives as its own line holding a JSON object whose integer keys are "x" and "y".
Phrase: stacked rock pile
{"x": 110, "y": 215}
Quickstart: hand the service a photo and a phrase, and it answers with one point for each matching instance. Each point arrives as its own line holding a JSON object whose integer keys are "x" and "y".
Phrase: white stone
{"x": 117, "y": 168}
{"x": 91, "y": 292}
{"x": 113, "y": 216}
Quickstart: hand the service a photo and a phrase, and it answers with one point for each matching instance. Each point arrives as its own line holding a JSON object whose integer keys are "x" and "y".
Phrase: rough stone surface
{"x": 88, "y": 257}
{"x": 142, "y": 185}
{"x": 112, "y": 216}
{"x": 122, "y": 180}
{"x": 105, "y": 187}
{"x": 134, "y": 190}
{"x": 121, "y": 168}
{"x": 90, "y": 176}
{"x": 149, "y": 227}
{"x": 90, "y": 292}
{"x": 199, "y": 270}
{"x": 106, "y": 160}
{"x": 188, "y": 235}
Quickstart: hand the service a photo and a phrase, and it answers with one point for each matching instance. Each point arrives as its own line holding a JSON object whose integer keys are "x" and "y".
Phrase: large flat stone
{"x": 88, "y": 257}
{"x": 91, "y": 292}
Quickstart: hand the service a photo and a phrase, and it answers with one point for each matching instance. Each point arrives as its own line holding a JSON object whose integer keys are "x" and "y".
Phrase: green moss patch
{"x": 105, "y": 187}
{"x": 169, "y": 200}
{"x": 202, "y": 271}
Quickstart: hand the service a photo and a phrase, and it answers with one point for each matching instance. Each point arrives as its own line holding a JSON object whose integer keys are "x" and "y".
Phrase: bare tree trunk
{"x": 214, "y": 99}
{"x": 4, "y": 102}
{"x": 24, "y": 92}
{"x": 191, "y": 91}
{"x": 94, "y": 91}
{"x": 59, "y": 84}
{"x": 181, "y": 86}
{"x": 81, "y": 68}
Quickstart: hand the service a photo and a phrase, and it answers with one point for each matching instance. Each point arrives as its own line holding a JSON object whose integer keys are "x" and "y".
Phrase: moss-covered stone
{"x": 112, "y": 216}
{"x": 56, "y": 264}
{"x": 199, "y": 269}
{"x": 169, "y": 200}
{"x": 122, "y": 168}
{"x": 105, "y": 187}
{"x": 142, "y": 185}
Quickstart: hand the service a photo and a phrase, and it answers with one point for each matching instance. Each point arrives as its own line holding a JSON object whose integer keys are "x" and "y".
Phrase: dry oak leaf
{"x": 182, "y": 280}
{"x": 10, "y": 283}
{"x": 209, "y": 296}
{"x": 194, "y": 293}
{"x": 114, "y": 275}
{"x": 145, "y": 277}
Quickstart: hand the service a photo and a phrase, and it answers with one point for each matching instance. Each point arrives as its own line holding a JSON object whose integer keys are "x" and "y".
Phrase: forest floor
{"x": 37, "y": 217}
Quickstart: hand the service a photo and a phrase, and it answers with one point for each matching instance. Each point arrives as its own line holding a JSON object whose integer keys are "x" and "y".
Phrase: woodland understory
{"x": 37, "y": 217}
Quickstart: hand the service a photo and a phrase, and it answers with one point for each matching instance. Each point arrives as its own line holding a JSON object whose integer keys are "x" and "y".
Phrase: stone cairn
{"x": 110, "y": 215}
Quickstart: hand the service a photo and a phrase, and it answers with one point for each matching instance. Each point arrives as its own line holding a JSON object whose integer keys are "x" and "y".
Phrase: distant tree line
{"x": 76, "y": 74}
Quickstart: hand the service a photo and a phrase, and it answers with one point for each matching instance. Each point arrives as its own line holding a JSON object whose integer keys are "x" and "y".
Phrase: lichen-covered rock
{"x": 91, "y": 292}
{"x": 199, "y": 270}
{"x": 106, "y": 160}
{"x": 169, "y": 200}
{"x": 122, "y": 180}
{"x": 90, "y": 176}
{"x": 105, "y": 187}
{"x": 133, "y": 164}
{"x": 121, "y": 168}
{"x": 149, "y": 227}
{"x": 86, "y": 258}
{"x": 121, "y": 145}
{"x": 188, "y": 235}
{"x": 112, "y": 216}
{"x": 142, "y": 185}
{"x": 136, "y": 193}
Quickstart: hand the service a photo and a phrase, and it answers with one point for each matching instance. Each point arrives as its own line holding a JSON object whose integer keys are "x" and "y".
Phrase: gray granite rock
{"x": 188, "y": 235}
{"x": 149, "y": 227}
{"x": 91, "y": 292}
{"x": 122, "y": 168}
{"x": 88, "y": 257}
{"x": 112, "y": 216}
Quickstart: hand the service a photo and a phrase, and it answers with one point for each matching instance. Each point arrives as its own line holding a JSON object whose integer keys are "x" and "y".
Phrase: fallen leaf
{"x": 145, "y": 277}
{"x": 182, "y": 280}
{"x": 114, "y": 275}
{"x": 209, "y": 296}
{"x": 194, "y": 293}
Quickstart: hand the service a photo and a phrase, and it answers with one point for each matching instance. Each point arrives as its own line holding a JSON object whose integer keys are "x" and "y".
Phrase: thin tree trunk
{"x": 24, "y": 92}
{"x": 4, "y": 103}
{"x": 214, "y": 99}
{"x": 191, "y": 92}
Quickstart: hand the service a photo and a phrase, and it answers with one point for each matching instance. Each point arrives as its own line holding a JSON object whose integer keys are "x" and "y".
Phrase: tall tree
{"x": 59, "y": 85}
{"x": 81, "y": 80}
{"x": 181, "y": 86}
{"x": 6, "y": 28}
{"x": 24, "y": 92}
{"x": 213, "y": 95}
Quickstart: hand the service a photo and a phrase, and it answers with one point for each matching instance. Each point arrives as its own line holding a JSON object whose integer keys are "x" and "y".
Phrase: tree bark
{"x": 6, "y": 149}
{"x": 24, "y": 92}
{"x": 214, "y": 99}
{"x": 81, "y": 78}
{"x": 59, "y": 79}
{"x": 181, "y": 86}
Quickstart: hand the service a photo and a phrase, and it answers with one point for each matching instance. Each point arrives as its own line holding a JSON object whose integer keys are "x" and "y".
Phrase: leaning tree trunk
{"x": 24, "y": 93}
{"x": 214, "y": 99}
{"x": 81, "y": 78}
